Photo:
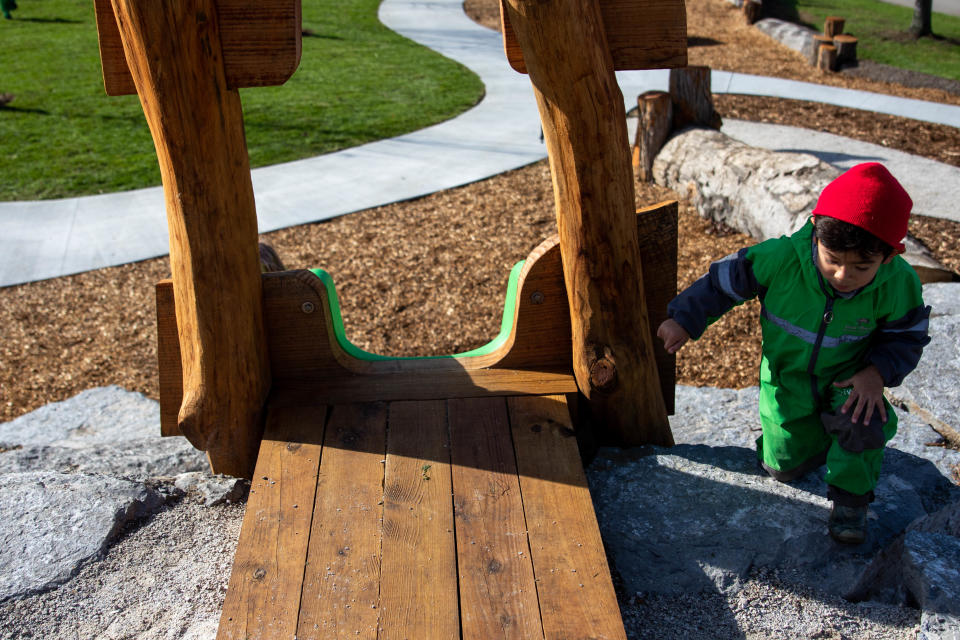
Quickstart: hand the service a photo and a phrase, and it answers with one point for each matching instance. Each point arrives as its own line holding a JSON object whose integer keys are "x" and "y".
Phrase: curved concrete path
{"x": 51, "y": 238}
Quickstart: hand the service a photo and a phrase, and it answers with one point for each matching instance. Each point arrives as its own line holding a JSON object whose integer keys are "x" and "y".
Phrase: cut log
{"x": 819, "y": 40}
{"x": 692, "y": 99}
{"x": 846, "y": 50}
{"x": 654, "y": 124}
{"x": 759, "y": 192}
{"x": 833, "y": 26}
{"x": 584, "y": 126}
{"x": 752, "y": 11}
{"x": 197, "y": 128}
{"x": 827, "y": 58}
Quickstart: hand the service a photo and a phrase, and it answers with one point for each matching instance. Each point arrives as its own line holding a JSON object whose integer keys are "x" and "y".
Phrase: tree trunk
{"x": 827, "y": 57}
{"x": 846, "y": 50}
{"x": 584, "y": 125}
{"x": 654, "y": 124}
{"x": 819, "y": 40}
{"x": 174, "y": 53}
{"x": 833, "y": 26}
{"x": 922, "y": 10}
{"x": 692, "y": 99}
{"x": 752, "y": 10}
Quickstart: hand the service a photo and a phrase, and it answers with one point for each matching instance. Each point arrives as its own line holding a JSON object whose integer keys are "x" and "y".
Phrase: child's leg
{"x": 855, "y": 455}
{"x": 793, "y": 441}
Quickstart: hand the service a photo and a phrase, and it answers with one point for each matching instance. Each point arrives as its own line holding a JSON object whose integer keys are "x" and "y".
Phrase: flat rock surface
{"x": 53, "y": 523}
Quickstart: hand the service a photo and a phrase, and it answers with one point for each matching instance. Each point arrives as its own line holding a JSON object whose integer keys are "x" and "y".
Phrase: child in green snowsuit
{"x": 7, "y": 6}
{"x": 842, "y": 316}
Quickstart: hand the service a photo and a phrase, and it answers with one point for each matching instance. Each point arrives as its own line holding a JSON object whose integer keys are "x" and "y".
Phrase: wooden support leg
{"x": 584, "y": 124}
{"x": 174, "y": 54}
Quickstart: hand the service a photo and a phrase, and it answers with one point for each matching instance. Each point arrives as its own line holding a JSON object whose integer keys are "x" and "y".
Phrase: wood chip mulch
{"x": 427, "y": 276}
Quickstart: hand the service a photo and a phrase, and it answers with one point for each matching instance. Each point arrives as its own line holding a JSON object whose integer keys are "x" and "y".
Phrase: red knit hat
{"x": 869, "y": 197}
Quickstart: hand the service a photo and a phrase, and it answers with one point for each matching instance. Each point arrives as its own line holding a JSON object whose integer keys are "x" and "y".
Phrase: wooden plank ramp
{"x": 461, "y": 518}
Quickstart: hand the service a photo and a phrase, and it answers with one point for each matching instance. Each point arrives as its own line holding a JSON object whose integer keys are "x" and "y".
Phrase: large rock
{"x": 107, "y": 431}
{"x": 794, "y": 36}
{"x": 763, "y": 193}
{"x": 699, "y": 517}
{"x": 931, "y": 390}
{"x": 53, "y": 523}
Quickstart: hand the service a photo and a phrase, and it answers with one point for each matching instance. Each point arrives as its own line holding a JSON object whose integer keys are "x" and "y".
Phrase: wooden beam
{"x": 584, "y": 125}
{"x": 642, "y": 34}
{"x": 261, "y": 44}
{"x": 577, "y": 599}
{"x": 342, "y": 575}
{"x": 263, "y": 597}
{"x": 498, "y": 593}
{"x": 197, "y": 128}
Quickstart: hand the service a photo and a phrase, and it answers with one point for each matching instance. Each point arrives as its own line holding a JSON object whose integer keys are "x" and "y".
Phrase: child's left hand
{"x": 867, "y": 394}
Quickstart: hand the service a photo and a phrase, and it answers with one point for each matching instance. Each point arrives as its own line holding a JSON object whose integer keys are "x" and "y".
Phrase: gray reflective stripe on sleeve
{"x": 809, "y": 336}
{"x": 923, "y": 326}
{"x": 724, "y": 273}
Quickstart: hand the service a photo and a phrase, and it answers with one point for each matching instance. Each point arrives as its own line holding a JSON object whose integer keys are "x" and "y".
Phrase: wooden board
{"x": 498, "y": 595}
{"x": 263, "y": 596}
{"x": 341, "y": 579}
{"x": 261, "y": 42}
{"x": 657, "y": 231}
{"x": 641, "y": 34}
{"x": 418, "y": 590}
{"x": 577, "y": 599}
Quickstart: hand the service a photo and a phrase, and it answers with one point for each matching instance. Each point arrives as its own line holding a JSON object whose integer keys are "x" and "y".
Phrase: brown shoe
{"x": 848, "y": 524}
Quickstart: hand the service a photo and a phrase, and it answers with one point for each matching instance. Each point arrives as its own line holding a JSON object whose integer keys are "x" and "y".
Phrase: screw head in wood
{"x": 308, "y": 307}
{"x": 537, "y": 297}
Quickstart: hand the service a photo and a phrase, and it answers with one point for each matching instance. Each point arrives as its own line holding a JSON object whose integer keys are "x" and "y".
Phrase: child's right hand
{"x": 673, "y": 335}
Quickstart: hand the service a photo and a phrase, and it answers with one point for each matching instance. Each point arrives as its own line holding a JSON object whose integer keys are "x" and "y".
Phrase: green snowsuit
{"x": 812, "y": 337}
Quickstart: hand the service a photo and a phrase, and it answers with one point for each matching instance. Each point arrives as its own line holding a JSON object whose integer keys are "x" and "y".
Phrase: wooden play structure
{"x": 407, "y": 497}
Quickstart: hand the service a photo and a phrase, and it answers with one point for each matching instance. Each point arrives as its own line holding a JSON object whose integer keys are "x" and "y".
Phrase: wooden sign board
{"x": 642, "y": 34}
{"x": 260, "y": 41}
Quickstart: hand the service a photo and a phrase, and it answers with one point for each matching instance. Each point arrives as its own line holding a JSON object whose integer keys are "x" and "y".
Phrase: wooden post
{"x": 752, "y": 10}
{"x": 692, "y": 99}
{"x": 584, "y": 123}
{"x": 827, "y": 57}
{"x": 846, "y": 49}
{"x": 833, "y": 26}
{"x": 654, "y": 125}
{"x": 174, "y": 54}
{"x": 818, "y": 41}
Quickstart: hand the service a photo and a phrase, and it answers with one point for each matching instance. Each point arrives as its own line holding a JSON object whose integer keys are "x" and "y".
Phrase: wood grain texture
{"x": 583, "y": 118}
{"x": 654, "y": 126}
{"x": 657, "y": 227}
{"x": 170, "y": 367}
{"x": 342, "y": 575}
{"x": 498, "y": 596}
{"x": 577, "y": 599}
{"x": 261, "y": 43}
{"x": 263, "y": 597}
{"x": 642, "y": 34}
{"x": 197, "y": 129}
{"x": 418, "y": 589}
{"x": 692, "y": 98}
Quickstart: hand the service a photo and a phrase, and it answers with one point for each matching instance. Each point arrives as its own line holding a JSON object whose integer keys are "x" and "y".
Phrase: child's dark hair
{"x": 837, "y": 235}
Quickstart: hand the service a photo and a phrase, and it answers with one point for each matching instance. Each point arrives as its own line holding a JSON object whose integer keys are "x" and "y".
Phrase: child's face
{"x": 848, "y": 271}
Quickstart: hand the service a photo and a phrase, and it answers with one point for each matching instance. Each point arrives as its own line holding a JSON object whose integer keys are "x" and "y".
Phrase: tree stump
{"x": 752, "y": 10}
{"x": 692, "y": 99}
{"x": 818, "y": 41}
{"x": 827, "y": 58}
{"x": 846, "y": 50}
{"x": 833, "y": 26}
{"x": 654, "y": 124}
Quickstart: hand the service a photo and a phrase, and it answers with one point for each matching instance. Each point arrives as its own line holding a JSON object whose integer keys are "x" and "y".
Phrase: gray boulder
{"x": 107, "y": 431}
{"x": 53, "y": 523}
{"x": 794, "y": 36}
{"x": 709, "y": 516}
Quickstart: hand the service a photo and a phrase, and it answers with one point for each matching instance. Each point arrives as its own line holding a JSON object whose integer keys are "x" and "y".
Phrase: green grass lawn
{"x": 63, "y": 136}
{"x": 881, "y": 31}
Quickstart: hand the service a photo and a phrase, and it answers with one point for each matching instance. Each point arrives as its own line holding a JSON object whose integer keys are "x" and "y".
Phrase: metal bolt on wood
{"x": 308, "y": 307}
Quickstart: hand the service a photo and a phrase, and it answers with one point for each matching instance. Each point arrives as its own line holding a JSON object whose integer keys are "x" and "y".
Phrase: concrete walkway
{"x": 51, "y": 238}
